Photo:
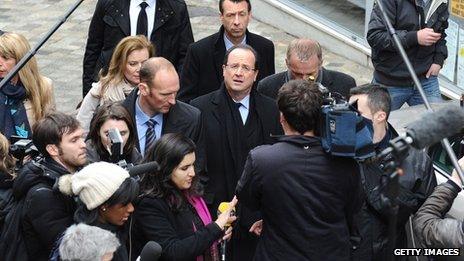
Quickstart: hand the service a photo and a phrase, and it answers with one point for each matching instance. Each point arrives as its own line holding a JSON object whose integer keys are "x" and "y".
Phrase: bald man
{"x": 304, "y": 61}
{"x": 156, "y": 111}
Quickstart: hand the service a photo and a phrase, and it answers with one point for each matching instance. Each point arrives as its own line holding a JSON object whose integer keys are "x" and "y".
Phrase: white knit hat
{"x": 94, "y": 184}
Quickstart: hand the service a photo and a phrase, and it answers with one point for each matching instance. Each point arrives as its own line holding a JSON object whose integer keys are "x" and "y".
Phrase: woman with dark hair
{"x": 111, "y": 116}
{"x": 172, "y": 211}
{"x": 105, "y": 192}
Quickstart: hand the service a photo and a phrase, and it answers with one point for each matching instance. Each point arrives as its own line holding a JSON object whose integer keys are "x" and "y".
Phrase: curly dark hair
{"x": 169, "y": 151}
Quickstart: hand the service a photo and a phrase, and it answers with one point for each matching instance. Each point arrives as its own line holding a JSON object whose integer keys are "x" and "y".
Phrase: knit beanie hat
{"x": 94, "y": 184}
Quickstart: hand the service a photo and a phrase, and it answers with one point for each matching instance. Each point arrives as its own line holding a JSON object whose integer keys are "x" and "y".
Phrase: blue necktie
{"x": 150, "y": 135}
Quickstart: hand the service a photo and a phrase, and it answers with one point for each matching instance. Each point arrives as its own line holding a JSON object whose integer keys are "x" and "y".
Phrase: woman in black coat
{"x": 112, "y": 116}
{"x": 171, "y": 210}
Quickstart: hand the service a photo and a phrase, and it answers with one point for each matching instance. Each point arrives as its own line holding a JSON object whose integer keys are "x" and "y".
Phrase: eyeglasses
{"x": 236, "y": 66}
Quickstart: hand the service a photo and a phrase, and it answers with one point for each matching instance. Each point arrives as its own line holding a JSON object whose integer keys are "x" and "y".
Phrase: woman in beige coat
{"x": 121, "y": 79}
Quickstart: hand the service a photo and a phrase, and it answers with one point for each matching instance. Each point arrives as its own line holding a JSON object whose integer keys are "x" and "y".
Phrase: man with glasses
{"x": 236, "y": 119}
{"x": 202, "y": 72}
{"x": 304, "y": 61}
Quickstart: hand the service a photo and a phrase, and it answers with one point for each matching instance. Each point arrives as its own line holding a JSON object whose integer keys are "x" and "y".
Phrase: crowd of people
{"x": 222, "y": 126}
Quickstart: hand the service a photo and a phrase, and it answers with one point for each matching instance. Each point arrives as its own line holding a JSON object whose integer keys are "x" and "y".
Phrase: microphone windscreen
{"x": 143, "y": 168}
{"x": 435, "y": 126}
{"x": 223, "y": 207}
{"x": 151, "y": 251}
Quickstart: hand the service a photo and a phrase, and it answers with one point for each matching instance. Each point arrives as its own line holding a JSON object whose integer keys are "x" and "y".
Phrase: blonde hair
{"x": 7, "y": 163}
{"x": 119, "y": 58}
{"x": 38, "y": 89}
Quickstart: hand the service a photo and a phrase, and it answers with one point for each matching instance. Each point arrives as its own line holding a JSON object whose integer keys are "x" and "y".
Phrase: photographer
{"x": 430, "y": 225}
{"x": 307, "y": 197}
{"x": 112, "y": 116}
{"x": 46, "y": 212}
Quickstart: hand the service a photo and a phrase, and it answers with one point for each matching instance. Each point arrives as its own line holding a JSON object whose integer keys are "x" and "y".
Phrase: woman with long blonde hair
{"x": 122, "y": 76}
{"x": 28, "y": 96}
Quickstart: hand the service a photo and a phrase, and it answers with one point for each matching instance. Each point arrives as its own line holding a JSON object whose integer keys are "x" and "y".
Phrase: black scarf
{"x": 13, "y": 117}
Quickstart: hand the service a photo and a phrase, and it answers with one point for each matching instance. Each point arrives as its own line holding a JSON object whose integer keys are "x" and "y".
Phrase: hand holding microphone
{"x": 226, "y": 214}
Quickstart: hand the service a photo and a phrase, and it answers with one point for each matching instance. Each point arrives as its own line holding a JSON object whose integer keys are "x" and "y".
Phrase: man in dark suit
{"x": 202, "y": 72}
{"x": 236, "y": 119}
{"x": 304, "y": 61}
{"x": 155, "y": 110}
{"x": 168, "y": 28}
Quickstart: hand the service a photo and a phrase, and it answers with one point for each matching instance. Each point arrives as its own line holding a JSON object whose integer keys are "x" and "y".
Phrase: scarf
{"x": 202, "y": 210}
{"x": 13, "y": 117}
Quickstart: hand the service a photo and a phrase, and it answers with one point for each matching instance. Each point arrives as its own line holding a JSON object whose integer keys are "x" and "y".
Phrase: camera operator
{"x": 432, "y": 229}
{"x": 307, "y": 197}
{"x": 46, "y": 212}
{"x": 418, "y": 181}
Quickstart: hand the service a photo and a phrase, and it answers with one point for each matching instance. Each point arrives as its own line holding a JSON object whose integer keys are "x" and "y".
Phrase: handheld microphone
{"x": 221, "y": 209}
{"x": 150, "y": 252}
{"x": 140, "y": 169}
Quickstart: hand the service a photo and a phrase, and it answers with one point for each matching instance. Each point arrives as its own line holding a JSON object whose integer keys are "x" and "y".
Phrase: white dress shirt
{"x": 134, "y": 10}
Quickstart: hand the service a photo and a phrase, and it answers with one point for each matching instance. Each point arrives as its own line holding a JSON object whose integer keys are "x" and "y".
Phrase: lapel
{"x": 326, "y": 79}
{"x": 261, "y": 113}
{"x": 223, "y": 115}
{"x": 219, "y": 53}
{"x": 119, "y": 11}
{"x": 163, "y": 13}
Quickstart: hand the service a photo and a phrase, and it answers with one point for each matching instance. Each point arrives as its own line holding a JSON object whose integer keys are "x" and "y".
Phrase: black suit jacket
{"x": 202, "y": 71}
{"x": 222, "y": 178}
{"x": 171, "y": 35}
{"x": 181, "y": 118}
{"x": 332, "y": 80}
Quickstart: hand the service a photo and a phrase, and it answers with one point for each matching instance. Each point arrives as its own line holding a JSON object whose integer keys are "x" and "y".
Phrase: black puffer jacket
{"x": 47, "y": 212}
{"x": 407, "y": 18}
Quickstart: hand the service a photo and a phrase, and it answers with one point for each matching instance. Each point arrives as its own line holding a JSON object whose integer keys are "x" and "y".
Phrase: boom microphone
{"x": 150, "y": 252}
{"x": 429, "y": 129}
{"x": 435, "y": 126}
{"x": 140, "y": 169}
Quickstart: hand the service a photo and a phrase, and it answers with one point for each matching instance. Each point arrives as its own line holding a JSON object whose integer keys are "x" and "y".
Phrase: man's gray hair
{"x": 304, "y": 49}
{"x": 87, "y": 243}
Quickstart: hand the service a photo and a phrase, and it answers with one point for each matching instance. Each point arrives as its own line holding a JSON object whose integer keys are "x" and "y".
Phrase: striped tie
{"x": 150, "y": 135}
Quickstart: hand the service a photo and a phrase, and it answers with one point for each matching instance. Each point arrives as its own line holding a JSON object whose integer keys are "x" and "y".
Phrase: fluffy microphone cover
{"x": 435, "y": 126}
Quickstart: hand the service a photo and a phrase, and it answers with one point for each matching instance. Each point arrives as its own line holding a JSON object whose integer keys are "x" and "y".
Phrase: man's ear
{"x": 144, "y": 89}
{"x": 380, "y": 116}
{"x": 52, "y": 150}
